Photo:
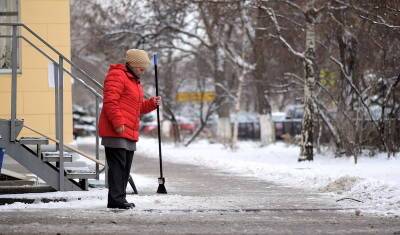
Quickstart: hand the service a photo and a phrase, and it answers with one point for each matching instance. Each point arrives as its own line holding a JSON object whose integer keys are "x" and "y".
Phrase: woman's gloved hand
{"x": 157, "y": 100}
{"x": 120, "y": 129}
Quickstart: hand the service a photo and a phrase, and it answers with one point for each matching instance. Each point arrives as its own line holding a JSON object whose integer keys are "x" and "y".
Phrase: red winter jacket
{"x": 123, "y": 103}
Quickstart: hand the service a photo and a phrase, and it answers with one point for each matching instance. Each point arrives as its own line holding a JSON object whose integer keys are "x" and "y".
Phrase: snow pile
{"x": 343, "y": 184}
{"x": 374, "y": 181}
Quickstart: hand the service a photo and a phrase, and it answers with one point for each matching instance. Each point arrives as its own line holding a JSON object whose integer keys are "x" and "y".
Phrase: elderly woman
{"x": 119, "y": 121}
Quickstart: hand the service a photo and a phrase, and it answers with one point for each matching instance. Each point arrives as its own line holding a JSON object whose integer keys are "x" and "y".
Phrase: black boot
{"x": 125, "y": 206}
{"x": 129, "y": 203}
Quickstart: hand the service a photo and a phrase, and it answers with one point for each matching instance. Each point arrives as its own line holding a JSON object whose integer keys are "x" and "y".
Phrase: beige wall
{"x": 35, "y": 100}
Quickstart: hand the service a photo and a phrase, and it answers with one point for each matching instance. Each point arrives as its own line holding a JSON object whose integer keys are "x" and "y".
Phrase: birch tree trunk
{"x": 224, "y": 133}
{"x": 237, "y": 110}
{"x": 267, "y": 130}
{"x": 307, "y": 147}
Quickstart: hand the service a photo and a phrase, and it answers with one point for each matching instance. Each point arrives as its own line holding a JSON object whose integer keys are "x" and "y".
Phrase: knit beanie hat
{"x": 137, "y": 58}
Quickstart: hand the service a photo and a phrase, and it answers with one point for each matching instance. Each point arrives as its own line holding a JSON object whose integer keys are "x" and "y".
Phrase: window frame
{"x": 19, "y": 45}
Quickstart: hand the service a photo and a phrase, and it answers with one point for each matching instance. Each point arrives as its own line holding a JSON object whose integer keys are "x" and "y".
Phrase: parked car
{"x": 186, "y": 125}
{"x": 149, "y": 124}
{"x": 83, "y": 123}
{"x": 289, "y": 122}
{"x": 278, "y": 118}
{"x": 248, "y": 125}
{"x": 295, "y": 111}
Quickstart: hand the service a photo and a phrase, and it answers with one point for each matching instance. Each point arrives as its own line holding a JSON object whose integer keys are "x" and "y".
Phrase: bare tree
{"x": 308, "y": 56}
{"x": 340, "y": 57}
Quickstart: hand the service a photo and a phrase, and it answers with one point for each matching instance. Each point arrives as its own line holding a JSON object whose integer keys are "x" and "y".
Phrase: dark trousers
{"x": 119, "y": 166}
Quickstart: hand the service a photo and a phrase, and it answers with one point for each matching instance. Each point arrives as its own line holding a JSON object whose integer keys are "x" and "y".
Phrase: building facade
{"x": 50, "y": 19}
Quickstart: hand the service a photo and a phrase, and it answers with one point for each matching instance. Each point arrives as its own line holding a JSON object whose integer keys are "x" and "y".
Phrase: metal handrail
{"x": 80, "y": 80}
{"x": 94, "y": 92}
{"x": 59, "y": 70}
{"x": 55, "y": 51}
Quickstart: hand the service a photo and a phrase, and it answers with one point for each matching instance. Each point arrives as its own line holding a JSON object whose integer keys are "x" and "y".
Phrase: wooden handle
{"x": 67, "y": 146}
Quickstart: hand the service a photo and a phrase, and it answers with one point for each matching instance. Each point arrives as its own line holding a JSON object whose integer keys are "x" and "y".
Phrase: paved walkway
{"x": 221, "y": 204}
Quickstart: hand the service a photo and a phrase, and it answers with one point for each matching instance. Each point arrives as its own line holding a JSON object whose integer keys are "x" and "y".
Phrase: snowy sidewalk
{"x": 201, "y": 200}
{"x": 373, "y": 181}
{"x": 190, "y": 188}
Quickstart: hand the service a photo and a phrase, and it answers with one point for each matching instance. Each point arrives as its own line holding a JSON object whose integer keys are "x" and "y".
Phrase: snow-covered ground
{"x": 374, "y": 181}
{"x": 96, "y": 198}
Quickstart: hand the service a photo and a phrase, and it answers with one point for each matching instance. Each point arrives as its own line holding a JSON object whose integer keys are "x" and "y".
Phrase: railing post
{"x": 97, "y": 137}
{"x": 14, "y": 68}
{"x": 61, "y": 120}
{"x": 56, "y": 103}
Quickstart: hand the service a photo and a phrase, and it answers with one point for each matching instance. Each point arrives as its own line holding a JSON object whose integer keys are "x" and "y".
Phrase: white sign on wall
{"x": 50, "y": 75}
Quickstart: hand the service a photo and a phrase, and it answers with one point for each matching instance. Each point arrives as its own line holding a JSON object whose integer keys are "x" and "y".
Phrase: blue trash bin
{"x": 2, "y": 151}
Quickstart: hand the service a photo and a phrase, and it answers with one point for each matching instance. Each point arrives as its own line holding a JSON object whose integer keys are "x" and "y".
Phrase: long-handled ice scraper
{"x": 161, "y": 181}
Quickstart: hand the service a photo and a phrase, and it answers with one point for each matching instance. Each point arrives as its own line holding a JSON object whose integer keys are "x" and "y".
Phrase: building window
{"x": 8, "y": 14}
